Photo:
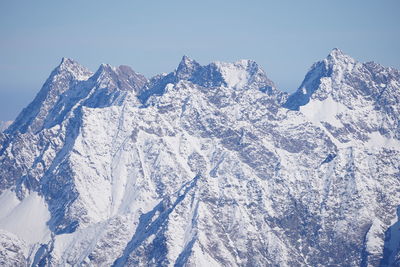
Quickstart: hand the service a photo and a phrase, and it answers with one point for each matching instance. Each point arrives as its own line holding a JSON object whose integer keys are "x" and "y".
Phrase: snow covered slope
{"x": 204, "y": 166}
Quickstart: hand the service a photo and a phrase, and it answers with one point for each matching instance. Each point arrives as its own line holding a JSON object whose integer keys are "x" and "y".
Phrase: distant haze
{"x": 284, "y": 37}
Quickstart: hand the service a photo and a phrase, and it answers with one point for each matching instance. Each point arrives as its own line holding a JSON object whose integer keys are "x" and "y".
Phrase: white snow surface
{"x": 235, "y": 74}
{"x": 202, "y": 176}
{"x": 324, "y": 111}
{"x": 26, "y": 219}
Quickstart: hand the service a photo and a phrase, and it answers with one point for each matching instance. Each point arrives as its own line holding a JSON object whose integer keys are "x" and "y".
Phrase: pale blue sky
{"x": 284, "y": 37}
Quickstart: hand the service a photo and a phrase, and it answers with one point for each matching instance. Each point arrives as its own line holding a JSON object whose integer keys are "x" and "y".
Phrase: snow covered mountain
{"x": 205, "y": 166}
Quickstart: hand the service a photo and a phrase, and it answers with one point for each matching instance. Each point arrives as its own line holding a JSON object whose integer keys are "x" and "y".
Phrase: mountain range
{"x": 204, "y": 166}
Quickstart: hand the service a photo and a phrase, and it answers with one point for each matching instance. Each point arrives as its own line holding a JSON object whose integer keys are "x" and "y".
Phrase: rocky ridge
{"x": 205, "y": 166}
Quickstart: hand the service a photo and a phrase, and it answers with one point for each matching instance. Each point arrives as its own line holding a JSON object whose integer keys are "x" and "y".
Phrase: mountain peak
{"x": 338, "y": 56}
{"x": 186, "y": 59}
{"x": 105, "y": 68}
{"x": 187, "y": 67}
{"x": 89, "y": 175}
{"x": 336, "y": 52}
{"x": 122, "y": 77}
{"x": 78, "y": 71}
{"x": 67, "y": 61}
{"x": 342, "y": 77}
{"x": 335, "y": 65}
{"x": 240, "y": 75}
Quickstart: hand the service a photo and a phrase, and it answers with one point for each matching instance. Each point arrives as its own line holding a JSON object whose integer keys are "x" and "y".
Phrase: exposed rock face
{"x": 205, "y": 166}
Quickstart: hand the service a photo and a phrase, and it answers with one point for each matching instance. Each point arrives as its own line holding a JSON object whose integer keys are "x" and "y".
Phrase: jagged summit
{"x": 342, "y": 77}
{"x": 66, "y": 61}
{"x": 337, "y": 58}
{"x": 336, "y": 52}
{"x": 187, "y": 68}
{"x": 336, "y": 65}
{"x": 64, "y": 77}
{"x": 239, "y": 75}
{"x": 187, "y": 62}
{"x": 73, "y": 68}
{"x": 210, "y": 171}
{"x": 122, "y": 78}
{"x": 338, "y": 84}
{"x": 71, "y": 83}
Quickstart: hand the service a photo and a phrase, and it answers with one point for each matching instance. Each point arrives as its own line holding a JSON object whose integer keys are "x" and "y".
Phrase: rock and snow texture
{"x": 205, "y": 166}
